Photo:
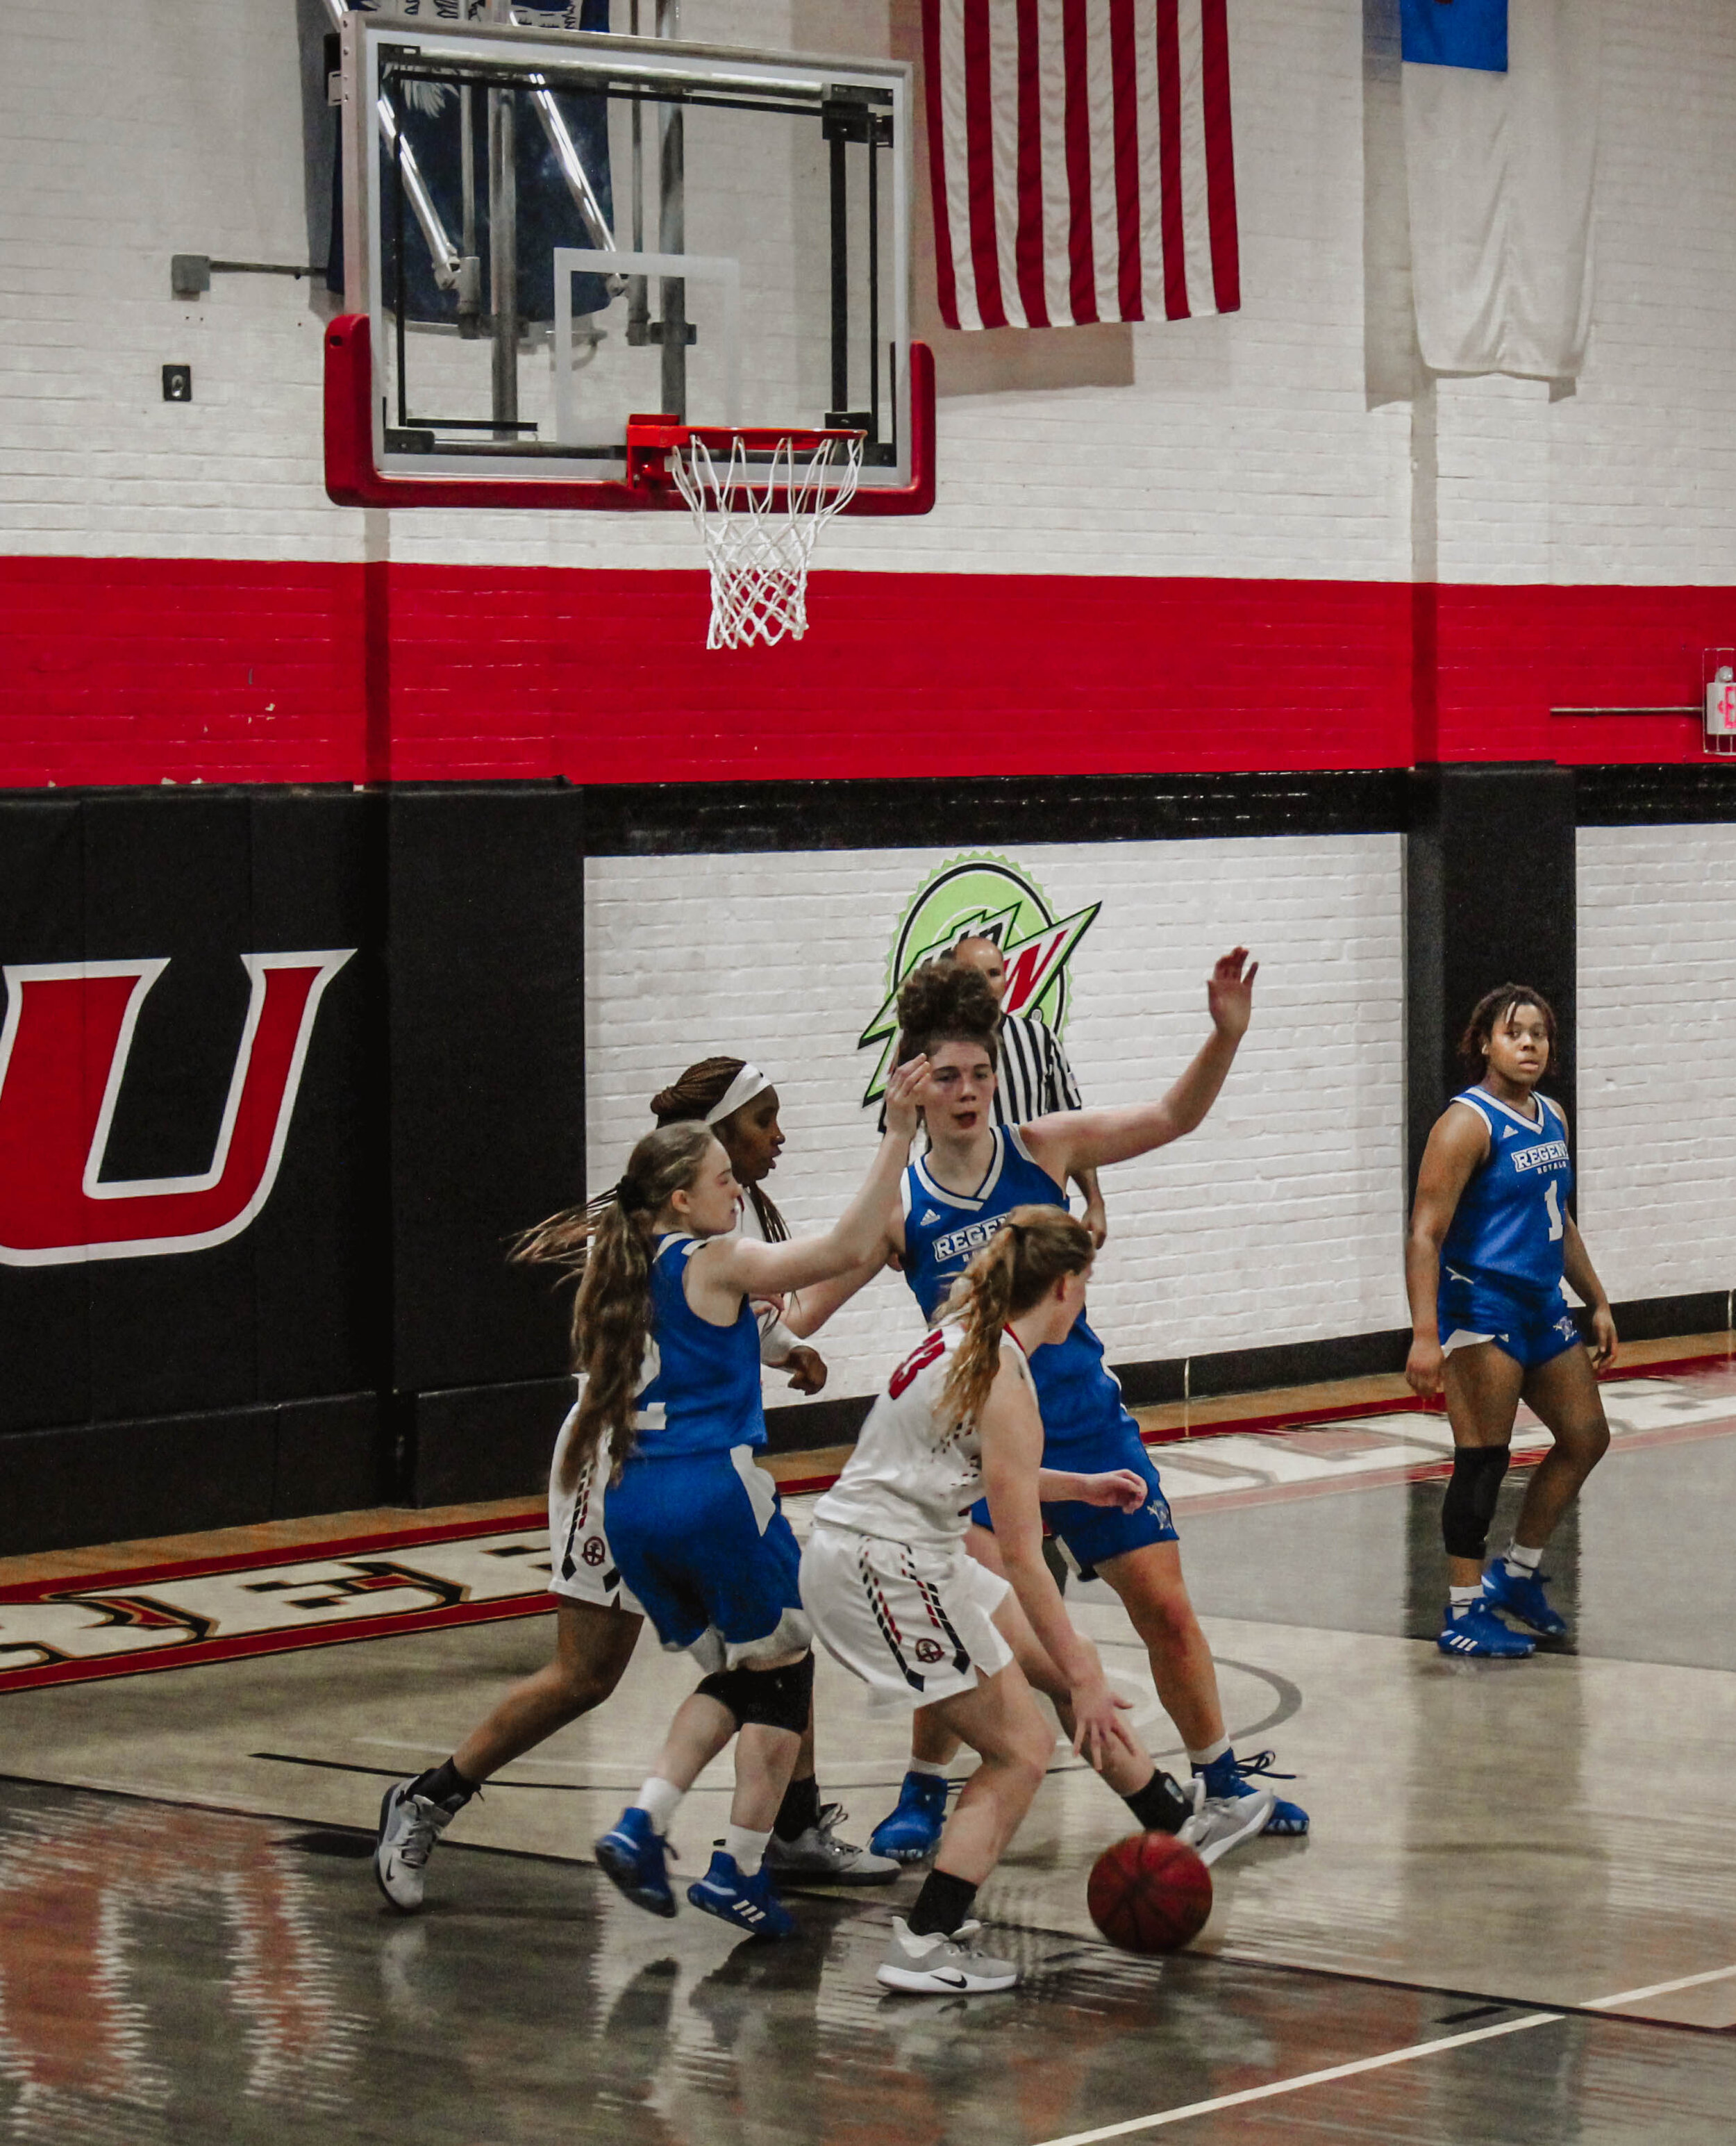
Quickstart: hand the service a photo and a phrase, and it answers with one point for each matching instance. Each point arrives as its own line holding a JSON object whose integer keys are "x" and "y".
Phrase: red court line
{"x": 297, "y": 1638}
{"x": 1430, "y": 1471}
{"x": 803, "y": 1486}
{"x": 292, "y": 1641}
{"x": 311, "y": 1553}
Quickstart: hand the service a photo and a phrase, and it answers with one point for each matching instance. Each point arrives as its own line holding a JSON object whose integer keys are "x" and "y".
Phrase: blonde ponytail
{"x": 1030, "y": 1251}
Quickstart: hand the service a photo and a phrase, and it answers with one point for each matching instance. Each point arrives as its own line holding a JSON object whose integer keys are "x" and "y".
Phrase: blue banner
{"x": 1459, "y": 33}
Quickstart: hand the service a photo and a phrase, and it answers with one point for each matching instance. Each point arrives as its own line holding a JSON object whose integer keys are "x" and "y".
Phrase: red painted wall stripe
{"x": 131, "y": 670}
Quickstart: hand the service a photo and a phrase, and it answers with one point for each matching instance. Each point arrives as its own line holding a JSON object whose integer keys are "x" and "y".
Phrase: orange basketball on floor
{"x": 1149, "y": 1893}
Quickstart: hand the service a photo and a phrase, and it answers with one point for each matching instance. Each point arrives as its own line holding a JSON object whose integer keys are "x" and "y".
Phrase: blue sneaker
{"x": 1230, "y": 1776}
{"x": 749, "y": 1902}
{"x": 636, "y": 1859}
{"x": 1478, "y": 1632}
{"x": 1521, "y": 1595}
{"x": 910, "y": 1831}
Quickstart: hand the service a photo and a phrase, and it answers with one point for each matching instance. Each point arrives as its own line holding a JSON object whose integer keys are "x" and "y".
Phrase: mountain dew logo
{"x": 981, "y": 897}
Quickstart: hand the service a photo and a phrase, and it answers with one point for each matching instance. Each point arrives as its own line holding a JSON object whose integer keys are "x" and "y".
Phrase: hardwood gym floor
{"x": 1514, "y": 1920}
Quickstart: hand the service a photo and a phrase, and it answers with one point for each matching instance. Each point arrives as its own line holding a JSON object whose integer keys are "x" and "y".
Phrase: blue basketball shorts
{"x": 1091, "y": 1535}
{"x": 702, "y": 1540}
{"x": 1532, "y": 1330}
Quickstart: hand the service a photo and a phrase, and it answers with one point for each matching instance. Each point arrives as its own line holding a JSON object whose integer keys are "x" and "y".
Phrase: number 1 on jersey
{"x": 1554, "y": 1204}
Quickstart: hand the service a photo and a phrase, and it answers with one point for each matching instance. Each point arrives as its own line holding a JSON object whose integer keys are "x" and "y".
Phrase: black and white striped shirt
{"x": 1035, "y": 1077}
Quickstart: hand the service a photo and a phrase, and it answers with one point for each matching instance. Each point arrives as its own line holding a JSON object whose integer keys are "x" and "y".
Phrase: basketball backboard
{"x": 548, "y": 233}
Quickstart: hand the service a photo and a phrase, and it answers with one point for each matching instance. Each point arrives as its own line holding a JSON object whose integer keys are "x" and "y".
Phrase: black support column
{"x": 1489, "y": 898}
{"x": 486, "y": 957}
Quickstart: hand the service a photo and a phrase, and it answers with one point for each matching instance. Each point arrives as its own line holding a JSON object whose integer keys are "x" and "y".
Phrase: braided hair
{"x": 695, "y": 1094}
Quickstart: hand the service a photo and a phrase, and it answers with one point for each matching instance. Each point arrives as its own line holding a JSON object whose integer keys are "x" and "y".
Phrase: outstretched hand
{"x": 904, "y": 1097}
{"x": 1230, "y": 993}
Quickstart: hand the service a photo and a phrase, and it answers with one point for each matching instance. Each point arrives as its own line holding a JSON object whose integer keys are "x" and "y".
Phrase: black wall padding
{"x": 486, "y": 961}
{"x": 1489, "y": 898}
{"x": 293, "y": 1306}
{"x": 45, "y": 1312}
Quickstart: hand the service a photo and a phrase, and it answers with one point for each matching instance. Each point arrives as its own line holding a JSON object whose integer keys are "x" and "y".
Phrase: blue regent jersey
{"x": 1080, "y": 1396}
{"x": 699, "y": 1390}
{"x": 1512, "y": 1216}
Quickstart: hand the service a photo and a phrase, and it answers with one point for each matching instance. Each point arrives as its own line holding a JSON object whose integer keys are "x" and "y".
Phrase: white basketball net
{"x": 759, "y": 547}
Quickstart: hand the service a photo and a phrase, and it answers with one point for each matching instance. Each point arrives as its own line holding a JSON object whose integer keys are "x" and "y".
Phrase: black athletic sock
{"x": 1159, "y": 1806}
{"x": 943, "y": 1904}
{"x": 799, "y": 1810}
{"x": 444, "y": 1785}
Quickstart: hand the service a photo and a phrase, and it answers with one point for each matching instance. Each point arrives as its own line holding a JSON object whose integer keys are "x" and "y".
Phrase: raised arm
{"x": 1011, "y": 1434}
{"x": 1458, "y": 1144}
{"x": 742, "y": 1266}
{"x": 1073, "y": 1141}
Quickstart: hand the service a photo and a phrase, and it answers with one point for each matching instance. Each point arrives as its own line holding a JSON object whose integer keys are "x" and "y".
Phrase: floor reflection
{"x": 178, "y": 1975}
{"x": 154, "y": 1961}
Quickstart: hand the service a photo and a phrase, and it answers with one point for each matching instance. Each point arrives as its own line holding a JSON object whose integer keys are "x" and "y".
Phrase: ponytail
{"x": 1030, "y": 1251}
{"x": 607, "y": 1246}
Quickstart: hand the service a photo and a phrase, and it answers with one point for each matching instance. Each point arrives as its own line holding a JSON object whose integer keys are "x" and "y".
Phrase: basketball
{"x": 1149, "y": 1893}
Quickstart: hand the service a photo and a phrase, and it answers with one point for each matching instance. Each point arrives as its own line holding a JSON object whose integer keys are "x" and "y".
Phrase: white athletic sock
{"x": 748, "y": 1848}
{"x": 1522, "y": 1559}
{"x": 1460, "y": 1598}
{"x": 1200, "y": 1759}
{"x": 927, "y": 1766}
{"x": 659, "y": 1799}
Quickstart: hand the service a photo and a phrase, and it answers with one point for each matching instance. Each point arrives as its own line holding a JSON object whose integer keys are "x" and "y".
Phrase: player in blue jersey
{"x": 667, "y": 1337}
{"x": 953, "y": 1200}
{"x": 1491, "y": 1240}
{"x": 597, "y": 1619}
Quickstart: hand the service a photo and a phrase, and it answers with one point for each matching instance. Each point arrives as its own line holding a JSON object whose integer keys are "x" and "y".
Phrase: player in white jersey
{"x": 597, "y": 1621}
{"x": 893, "y": 1594}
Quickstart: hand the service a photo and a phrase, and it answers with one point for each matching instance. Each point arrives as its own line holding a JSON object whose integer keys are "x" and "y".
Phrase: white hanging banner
{"x": 1500, "y": 101}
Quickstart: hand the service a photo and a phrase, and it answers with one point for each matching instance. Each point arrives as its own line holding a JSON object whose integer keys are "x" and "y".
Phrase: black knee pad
{"x": 1469, "y": 1504}
{"x": 767, "y": 1699}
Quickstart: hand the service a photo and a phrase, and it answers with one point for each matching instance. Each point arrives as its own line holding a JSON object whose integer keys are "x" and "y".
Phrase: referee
{"x": 1034, "y": 1077}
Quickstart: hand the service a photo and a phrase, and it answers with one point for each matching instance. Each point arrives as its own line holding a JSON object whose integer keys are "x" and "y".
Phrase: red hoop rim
{"x": 652, "y": 437}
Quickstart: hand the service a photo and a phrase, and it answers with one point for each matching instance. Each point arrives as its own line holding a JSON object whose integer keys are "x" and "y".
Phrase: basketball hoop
{"x": 759, "y": 514}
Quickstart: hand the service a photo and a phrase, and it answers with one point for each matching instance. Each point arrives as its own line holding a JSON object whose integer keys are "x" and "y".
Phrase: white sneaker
{"x": 1221, "y": 1823}
{"x": 817, "y": 1857}
{"x": 941, "y": 1966}
{"x": 409, "y": 1827}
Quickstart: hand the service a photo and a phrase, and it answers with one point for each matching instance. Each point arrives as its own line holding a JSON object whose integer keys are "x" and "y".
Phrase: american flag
{"x": 1081, "y": 161}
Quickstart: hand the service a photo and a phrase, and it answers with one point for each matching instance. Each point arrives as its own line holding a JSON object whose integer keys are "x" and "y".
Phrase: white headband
{"x": 747, "y": 1083}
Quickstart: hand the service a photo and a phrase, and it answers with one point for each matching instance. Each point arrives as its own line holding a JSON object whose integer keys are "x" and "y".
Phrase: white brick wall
{"x": 1657, "y": 1134}
{"x": 1279, "y": 1221}
{"x": 1245, "y": 445}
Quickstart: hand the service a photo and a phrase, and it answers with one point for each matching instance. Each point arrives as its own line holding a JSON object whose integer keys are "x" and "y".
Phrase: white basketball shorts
{"x": 581, "y": 1565}
{"x": 914, "y": 1625}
